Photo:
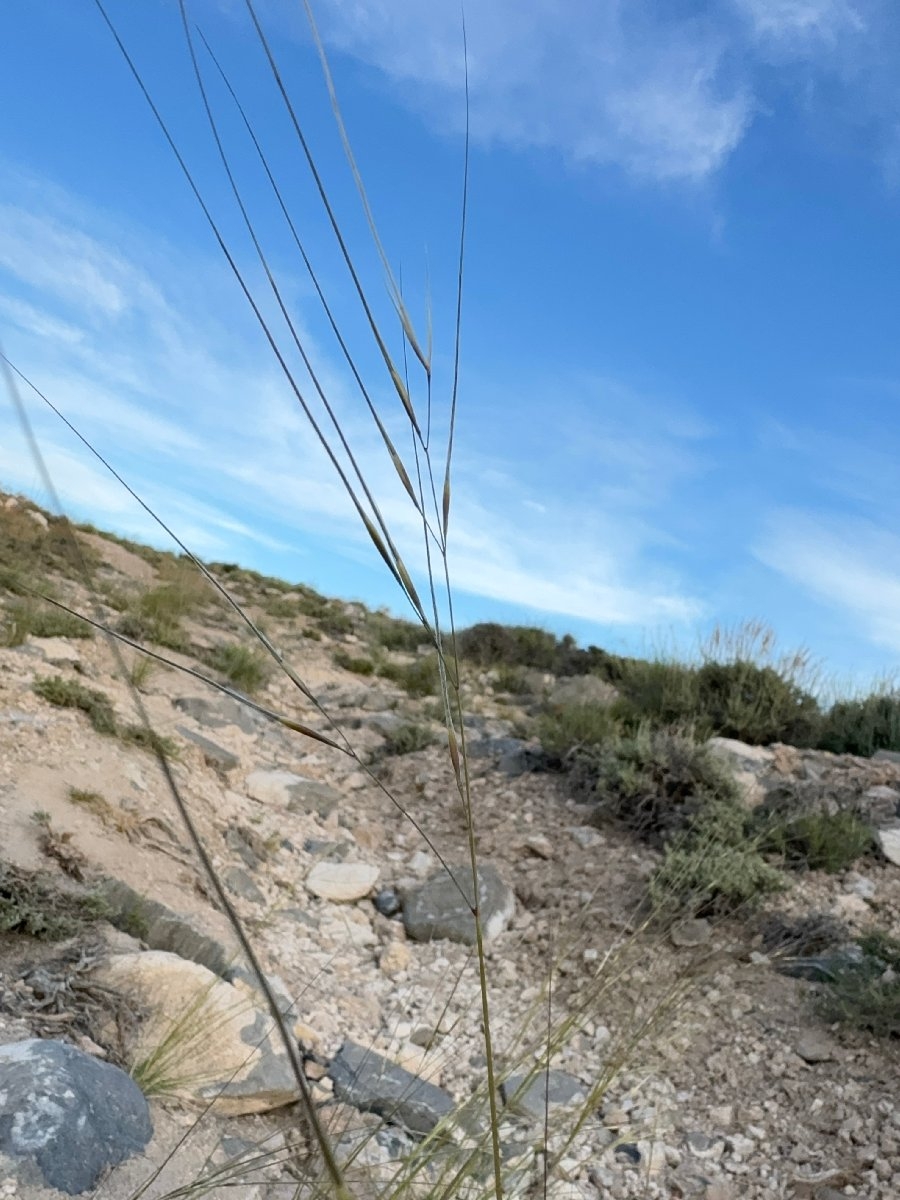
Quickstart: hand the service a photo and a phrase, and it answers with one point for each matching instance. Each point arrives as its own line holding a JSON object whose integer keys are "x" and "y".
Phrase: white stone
{"x": 889, "y": 840}
{"x": 341, "y": 882}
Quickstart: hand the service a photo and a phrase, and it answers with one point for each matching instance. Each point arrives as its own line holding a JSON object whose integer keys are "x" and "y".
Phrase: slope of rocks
{"x": 733, "y": 1089}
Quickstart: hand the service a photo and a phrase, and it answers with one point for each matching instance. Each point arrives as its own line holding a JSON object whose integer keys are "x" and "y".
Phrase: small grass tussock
{"x": 407, "y": 739}
{"x": 141, "y": 671}
{"x": 148, "y": 739}
{"x": 865, "y": 995}
{"x": 69, "y": 693}
{"x": 820, "y": 841}
{"x": 246, "y": 667}
{"x": 24, "y": 618}
{"x": 419, "y": 678}
{"x": 357, "y": 663}
{"x": 97, "y": 706}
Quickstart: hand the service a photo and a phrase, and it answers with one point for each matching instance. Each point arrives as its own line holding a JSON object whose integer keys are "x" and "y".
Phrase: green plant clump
{"x": 822, "y": 841}
{"x": 406, "y": 739}
{"x": 358, "y": 664}
{"x": 32, "y": 904}
{"x": 862, "y": 726}
{"x": 244, "y": 666}
{"x": 418, "y": 678}
{"x": 68, "y": 693}
{"x": 866, "y": 994}
{"x": 24, "y": 617}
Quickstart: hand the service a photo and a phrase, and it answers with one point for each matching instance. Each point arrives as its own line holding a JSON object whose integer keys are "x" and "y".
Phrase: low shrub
{"x": 406, "y": 739}
{"x": 705, "y": 876}
{"x": 33, "y": 905}
{"x": 68, "y": 693}
{"x": 572, "y": 731}
{"x": 418, "y": 678}
{"x": 247, "y": 667}
{"x": 862, "y": 726}
{"x": 355, "y": 663}
{"x": 391, "y": 633}
{"x": 822, "y": 841}
{"x": 40, "y": 620}
{"x": 866, "y": 994}
{"x": 148, "y": 739}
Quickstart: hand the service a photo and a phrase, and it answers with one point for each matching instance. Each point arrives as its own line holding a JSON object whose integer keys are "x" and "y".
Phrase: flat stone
{"x": 689, "y": 933}
{"x": 237, "y": 880}
{"x": 551, "y": 1089}
{"x": 294, "y": 792}
{"x": 441, "y": 907}
{"x": 882, "y": 804}
{"x": 163, "y": 929}
{"x": 371, "y": 1083}
{"x": 891, "y": 756}
{"x": 65, "y": 1116}
{"x": 342, "y": 882}
{"x": 814, "y": 1047}
{"x": 214, "y": 755}
{"x": 214, "y": 714}
{"x": 208, "y": 1042}
{"x": 55, "y": 650}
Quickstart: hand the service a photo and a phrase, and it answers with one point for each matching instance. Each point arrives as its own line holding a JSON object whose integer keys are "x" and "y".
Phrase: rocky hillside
{"x": 696, "y": 1051}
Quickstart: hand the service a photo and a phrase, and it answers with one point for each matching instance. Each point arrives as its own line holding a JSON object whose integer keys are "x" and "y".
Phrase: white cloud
{"x": 847, "y": 564}
{"x": 196, "y": 416}
{"x": 802, "y": 22}
{"x": 597, "y": 81}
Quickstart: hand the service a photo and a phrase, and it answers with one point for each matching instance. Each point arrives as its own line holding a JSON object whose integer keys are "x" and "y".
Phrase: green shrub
{"x": 246, "y": 667}
{"x": 866, "y": 994}
{"x": 41, "y": 620}
{"x": 406, "y": 739}
{"x": 161, "y": 632}
{"x": 822, "y": 841}
{"x": 418, "y": 678}
{"x": 571, "y": 730}
{"x": 357, "y": 664}
{"x": 703, "y": 876}
{"x": 756, "y": 704}
{"x": 511, "y": 680}
{"x": 390, "y": 633}
{"x": 33, "y": 905}
{"x": 148, "y": 739}
{"x": 490, "y": 645}
{"x": 862, "y": 726}
{"x": 661, "y": 692}
{"x": 658, "y": 781}
{"x": 67, "y": 693}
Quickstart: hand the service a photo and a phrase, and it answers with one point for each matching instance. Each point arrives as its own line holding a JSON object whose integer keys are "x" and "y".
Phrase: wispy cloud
{"x": 202, "y": 424}
{"x": 850, "y": 565}
{"x": 665, "y": 92}
{"x": 601, "y": 82}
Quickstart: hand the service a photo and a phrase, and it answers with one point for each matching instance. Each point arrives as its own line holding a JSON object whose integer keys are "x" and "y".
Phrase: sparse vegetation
{"x": 408, "y": 738}
{"x": 358, "y": 664}
{"x": 821, "y": 841}
{"x": 25, "y": 617}
{"x": 68, "y": 693}
{"x": 421, "y": 677}
{"x": 246, "y": 667}
{"x": 33, "y": 904}
{"x": 866, "y": 994}
{"x": 148, "y": 739}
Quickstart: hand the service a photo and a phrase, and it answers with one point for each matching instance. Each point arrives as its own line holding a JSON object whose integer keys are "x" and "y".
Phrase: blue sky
{"x": 680, "y": 379}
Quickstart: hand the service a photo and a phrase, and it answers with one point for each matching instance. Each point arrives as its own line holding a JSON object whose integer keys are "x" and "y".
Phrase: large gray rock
{"x": 583, "y": 689}
{"x": 66, "y": 1117}
{"x": 441, "y": 907}
{"x": 371, "y": 1083}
